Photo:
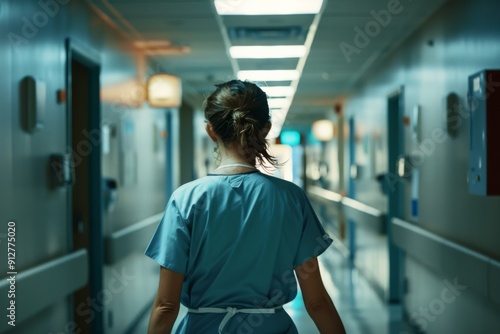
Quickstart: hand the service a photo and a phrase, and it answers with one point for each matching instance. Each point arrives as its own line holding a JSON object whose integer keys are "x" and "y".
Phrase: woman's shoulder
{"x": 195, "y": 185}
{"x": 282, "y": 184}
{"x": 208, "y": 185}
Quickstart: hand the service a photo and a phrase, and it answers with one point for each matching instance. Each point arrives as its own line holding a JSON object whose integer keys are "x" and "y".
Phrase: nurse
{"x": 232, "y": 245}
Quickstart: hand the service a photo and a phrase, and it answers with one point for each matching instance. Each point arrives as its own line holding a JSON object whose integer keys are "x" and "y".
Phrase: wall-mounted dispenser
{"x": 484, "y": 156}
{"x": 453, "y": 117}
{"x": 110, "y": 194}
{"x": 33, "y": 103}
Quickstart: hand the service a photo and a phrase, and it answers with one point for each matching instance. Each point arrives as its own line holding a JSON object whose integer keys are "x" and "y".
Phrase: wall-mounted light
{"x": 323, "y": 130}
{"x": 164, "y": 90}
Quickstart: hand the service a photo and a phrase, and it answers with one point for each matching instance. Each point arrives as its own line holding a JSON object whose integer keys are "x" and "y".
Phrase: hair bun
{"x": 239, "y": 116}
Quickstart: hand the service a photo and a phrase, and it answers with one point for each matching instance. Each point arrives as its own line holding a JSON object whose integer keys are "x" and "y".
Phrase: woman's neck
{"x": 231, "y": 156}
{"x": 232, "y": 163}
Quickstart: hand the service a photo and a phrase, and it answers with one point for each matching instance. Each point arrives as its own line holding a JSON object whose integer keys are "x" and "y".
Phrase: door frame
{"x": 396, "y": 148}
{"x": 169, "y": 154}
{"x": 351, "y": 224}
{"x": 92, "y": 60}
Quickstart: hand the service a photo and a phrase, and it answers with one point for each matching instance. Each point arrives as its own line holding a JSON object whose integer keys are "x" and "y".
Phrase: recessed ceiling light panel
{"x": 278, "y": 91}
{"x": 272, "y": 75}
{"x": 278, "y": 103}
{"x": 266, "y": 7}
{"x": 271, "y": 51}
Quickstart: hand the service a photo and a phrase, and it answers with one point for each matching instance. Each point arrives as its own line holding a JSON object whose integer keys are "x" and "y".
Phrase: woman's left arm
{"x": 166, "y": 304}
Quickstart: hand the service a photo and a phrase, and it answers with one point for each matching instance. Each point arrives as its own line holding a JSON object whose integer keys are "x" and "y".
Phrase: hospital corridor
{"x": 250, "y": 166}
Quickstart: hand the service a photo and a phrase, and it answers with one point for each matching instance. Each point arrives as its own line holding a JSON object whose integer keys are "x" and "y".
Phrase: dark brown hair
{"x": 238, "y": 112}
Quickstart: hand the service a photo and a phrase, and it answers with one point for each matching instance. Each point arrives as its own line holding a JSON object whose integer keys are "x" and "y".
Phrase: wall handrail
{"x": 45, "y": 284}
{"x": 361, "y": 207}
{"x": 131, "y": 239}
{"x": 364, "y": 215}
{"x": 325, "y": 194}
{"x": 455, "y": 261}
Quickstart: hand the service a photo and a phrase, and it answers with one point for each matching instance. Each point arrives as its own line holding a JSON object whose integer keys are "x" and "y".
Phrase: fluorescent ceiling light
{"x": 272, "y": 75}
{"x": 278, "y": 115}
{"x": 266, "y": 7}
{"x": 278, "y": 91}
{"x": 275, "y": 128}
{"x": 278, "y": 119}
{"x": 272, "y": 51}
{"x": 278, "y": 103}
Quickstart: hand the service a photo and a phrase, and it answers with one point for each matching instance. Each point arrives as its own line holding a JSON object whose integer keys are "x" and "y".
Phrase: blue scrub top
{"x": 237, "y": 239}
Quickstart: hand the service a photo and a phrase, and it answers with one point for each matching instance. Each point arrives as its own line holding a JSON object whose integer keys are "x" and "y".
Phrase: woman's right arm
{"x": 318, "y": 303}
{"x": 166, "y": 304}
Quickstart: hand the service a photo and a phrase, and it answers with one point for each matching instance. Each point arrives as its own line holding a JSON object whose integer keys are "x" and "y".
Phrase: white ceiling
{"x": 327, "y": 74}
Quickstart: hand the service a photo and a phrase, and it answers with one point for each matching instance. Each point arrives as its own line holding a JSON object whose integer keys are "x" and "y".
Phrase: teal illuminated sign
{"x": 289, "y": 137}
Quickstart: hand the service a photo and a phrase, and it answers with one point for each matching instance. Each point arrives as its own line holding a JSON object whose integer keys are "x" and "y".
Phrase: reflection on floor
{"x": 360, "y": 308}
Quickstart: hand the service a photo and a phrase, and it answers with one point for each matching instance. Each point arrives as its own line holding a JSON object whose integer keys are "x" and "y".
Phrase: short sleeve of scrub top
{"x": 169, "y": 245}
{"x": 313, "y": 240}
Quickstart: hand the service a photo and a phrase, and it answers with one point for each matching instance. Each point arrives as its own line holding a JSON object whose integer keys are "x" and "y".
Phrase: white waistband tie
{"x": 231, "y": 311}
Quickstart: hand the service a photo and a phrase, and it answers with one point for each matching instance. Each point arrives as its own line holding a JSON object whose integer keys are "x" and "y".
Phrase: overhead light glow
{"x": 266, "y": 7}
{"x": 323, "y": 130}
{"x": 271, "y": 75}
{"x": 278, "y": 91}
{"x": 278, "y": 103}
{"x": 164, "y": 90}
{"x": 275, "y": 130}
{"x": 278, "y": 117}
{"x": 281, "y": 112}
{"x": 264, "y": 52}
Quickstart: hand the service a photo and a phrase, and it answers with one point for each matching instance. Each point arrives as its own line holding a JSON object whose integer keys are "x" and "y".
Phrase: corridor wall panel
{"x": 461, "y": 38}
{"x": 43, "y": 226}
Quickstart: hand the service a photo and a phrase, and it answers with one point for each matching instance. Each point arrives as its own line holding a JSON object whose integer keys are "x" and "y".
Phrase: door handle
{"x": 79, "y": 224}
